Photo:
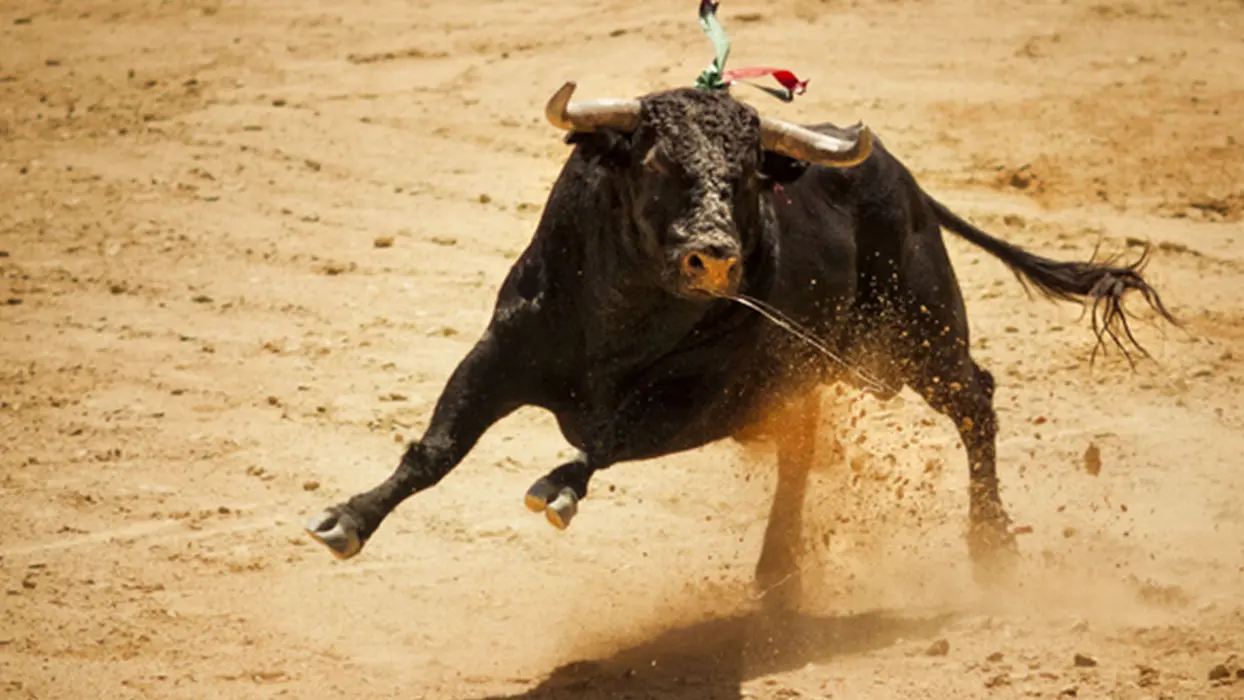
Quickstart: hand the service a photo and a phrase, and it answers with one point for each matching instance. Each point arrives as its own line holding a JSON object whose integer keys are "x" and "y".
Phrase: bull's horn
{"x": 851, "y": 147}
{"x": 622, "y": 115}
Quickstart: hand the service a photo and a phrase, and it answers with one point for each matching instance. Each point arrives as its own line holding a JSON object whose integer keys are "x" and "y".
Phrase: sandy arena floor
{"x": 203, "y": 342}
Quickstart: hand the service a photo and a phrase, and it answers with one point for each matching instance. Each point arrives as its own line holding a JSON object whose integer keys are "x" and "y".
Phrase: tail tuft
{"x": 1100, "y": 285}
{"x": 1107, "y": 284}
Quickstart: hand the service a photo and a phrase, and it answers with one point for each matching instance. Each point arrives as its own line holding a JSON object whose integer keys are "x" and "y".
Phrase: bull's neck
{"x": 631, "y": 320}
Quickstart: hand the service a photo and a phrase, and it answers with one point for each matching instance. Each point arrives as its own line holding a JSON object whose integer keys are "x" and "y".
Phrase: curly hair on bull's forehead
{"x": 704, "y": 132}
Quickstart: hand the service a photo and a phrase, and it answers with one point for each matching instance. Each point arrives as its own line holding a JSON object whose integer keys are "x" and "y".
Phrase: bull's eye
{"x": 654, "y": 163}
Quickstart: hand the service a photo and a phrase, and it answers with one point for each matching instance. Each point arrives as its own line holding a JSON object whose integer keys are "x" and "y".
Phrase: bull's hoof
{"x": 778, "y": 590}
{"x": 539, "y": 495}
{"x": 559, "y": 503}
{"x": 994, "y": 553}
{"x": 562, "y": 509}
{"x": 337, "y": 531}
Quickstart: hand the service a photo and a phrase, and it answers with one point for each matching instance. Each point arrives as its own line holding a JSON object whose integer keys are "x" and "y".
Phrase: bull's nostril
{"x": 706, "y": 272}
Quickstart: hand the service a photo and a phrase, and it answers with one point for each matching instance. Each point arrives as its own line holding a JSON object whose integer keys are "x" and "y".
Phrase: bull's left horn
{"x": 622, "y": 115}
{"x": 850, "y": 148}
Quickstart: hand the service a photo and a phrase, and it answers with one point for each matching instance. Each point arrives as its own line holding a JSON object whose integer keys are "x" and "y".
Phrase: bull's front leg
{"x": 793, "y": 428}
{"x": 557, "y": 494}
{"x": 482, "y": 390}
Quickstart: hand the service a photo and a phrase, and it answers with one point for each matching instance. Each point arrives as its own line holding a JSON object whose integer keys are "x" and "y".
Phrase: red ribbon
{"x": 788, "y": 80}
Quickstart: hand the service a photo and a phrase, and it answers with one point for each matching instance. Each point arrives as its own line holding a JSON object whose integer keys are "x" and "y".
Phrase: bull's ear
{"x": 605, "y": 146}
{"x": 782, "y": 170}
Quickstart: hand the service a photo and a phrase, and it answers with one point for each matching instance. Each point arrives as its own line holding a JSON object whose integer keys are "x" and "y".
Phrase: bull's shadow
{"x": 710, "y": 660}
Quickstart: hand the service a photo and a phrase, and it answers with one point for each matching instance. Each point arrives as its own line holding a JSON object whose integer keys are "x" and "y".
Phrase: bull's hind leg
{"x": 955, "y": 386}
{"x": 930, "y": 342}
{"x": 778, "y": 571}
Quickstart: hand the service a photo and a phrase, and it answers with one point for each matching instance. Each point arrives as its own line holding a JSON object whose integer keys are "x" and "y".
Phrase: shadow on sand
{"x": 709, "y": 660}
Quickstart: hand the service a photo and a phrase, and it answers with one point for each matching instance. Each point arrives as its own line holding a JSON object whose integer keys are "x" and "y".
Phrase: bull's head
{"x": 693, "y": 167}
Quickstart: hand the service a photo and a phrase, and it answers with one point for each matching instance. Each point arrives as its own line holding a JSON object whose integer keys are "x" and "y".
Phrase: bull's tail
{"x": 1099, "y": 285}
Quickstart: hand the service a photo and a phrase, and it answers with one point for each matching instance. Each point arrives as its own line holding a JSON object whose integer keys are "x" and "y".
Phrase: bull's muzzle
{"x": 709, "y": 275}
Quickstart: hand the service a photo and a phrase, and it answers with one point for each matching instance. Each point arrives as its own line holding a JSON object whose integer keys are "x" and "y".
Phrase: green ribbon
{"x": 711, "y": 78}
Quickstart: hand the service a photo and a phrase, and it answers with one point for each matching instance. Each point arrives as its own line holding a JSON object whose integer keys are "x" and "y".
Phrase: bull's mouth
{"x": 706, "y": 293}
{"x": 697, "y": 294}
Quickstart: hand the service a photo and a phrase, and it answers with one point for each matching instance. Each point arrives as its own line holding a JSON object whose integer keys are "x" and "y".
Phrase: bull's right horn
{"x": 850, "y": 147}
{"x": 622, "y": 115}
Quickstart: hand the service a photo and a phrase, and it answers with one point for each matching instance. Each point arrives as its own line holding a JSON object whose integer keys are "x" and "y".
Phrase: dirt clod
{"x": 1085, "y": 661}
{"x": 998, "y": 680}
{"x": 1092, "y": 460}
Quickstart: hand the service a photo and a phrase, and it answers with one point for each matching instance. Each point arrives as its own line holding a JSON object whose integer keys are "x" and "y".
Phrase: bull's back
{"x": 847, "y": 231}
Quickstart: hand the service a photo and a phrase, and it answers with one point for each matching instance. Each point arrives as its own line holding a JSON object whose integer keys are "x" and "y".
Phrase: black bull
{"x": 635, "y": 314}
